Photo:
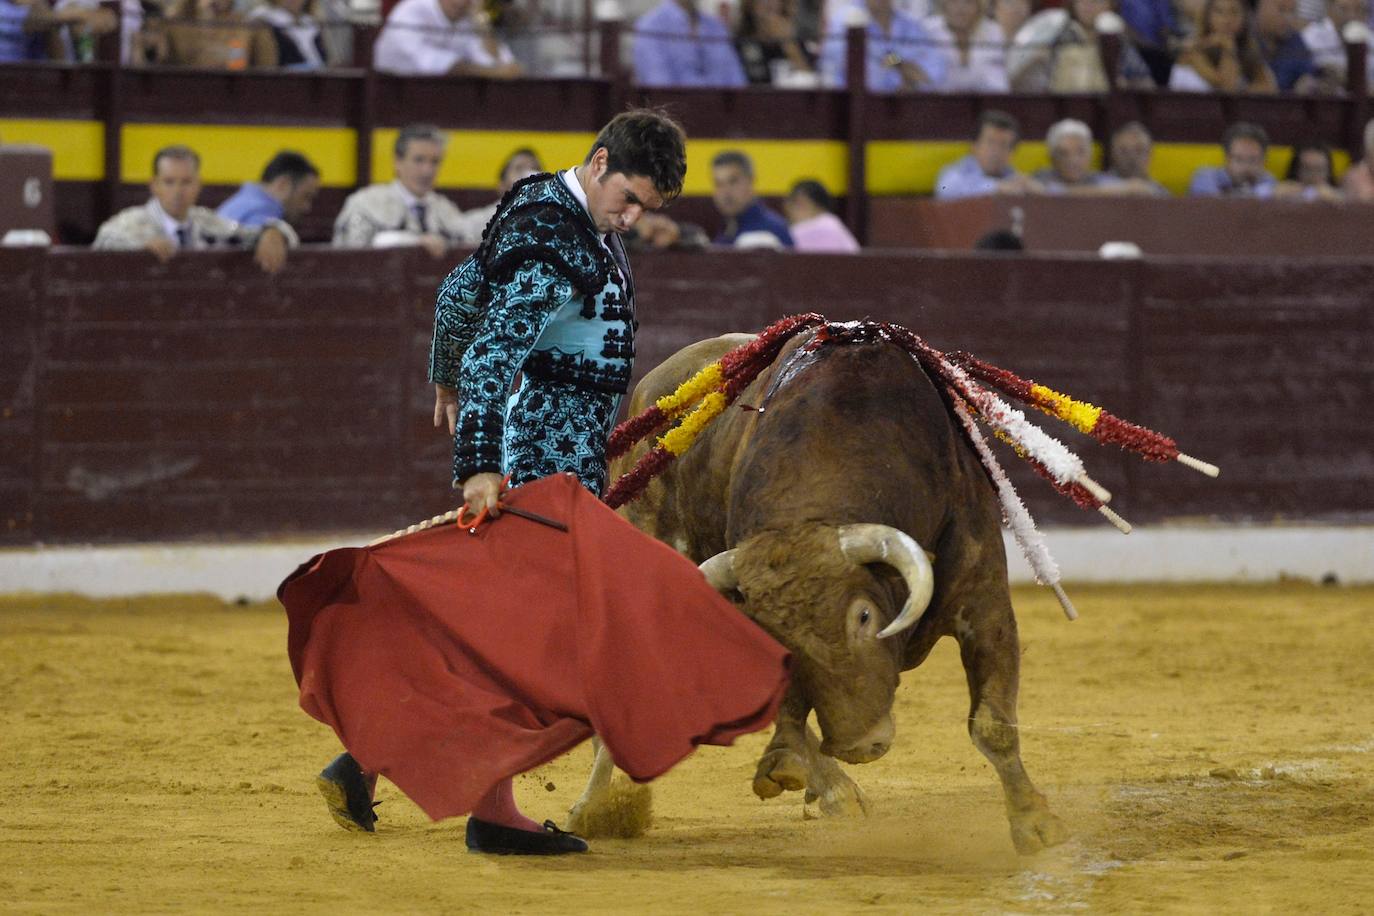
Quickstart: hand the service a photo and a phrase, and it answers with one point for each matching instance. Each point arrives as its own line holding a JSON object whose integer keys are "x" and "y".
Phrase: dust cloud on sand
{"x": 1212, "y": 750}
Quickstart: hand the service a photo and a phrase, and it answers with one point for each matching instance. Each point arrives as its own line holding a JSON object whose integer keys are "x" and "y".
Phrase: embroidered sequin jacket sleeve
{"x": 541, "y": 296}
{"x": 505, "y": 334}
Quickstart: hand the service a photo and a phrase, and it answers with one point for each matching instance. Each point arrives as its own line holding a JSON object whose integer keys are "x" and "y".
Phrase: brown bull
{"x": 816, "y": 515}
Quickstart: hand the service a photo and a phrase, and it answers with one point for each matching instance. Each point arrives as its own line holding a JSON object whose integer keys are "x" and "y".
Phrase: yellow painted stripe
{"x": 899, "y": 167}
{"x": 474, "y": 157}
{"x": 78, "y": 147}
{"x": 778, "y": 164}
{"x": 232, "y": 154}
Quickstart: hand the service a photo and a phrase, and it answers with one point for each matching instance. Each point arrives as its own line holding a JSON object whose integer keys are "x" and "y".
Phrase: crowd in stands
{"x": 985, "y": 46}
{"x": 988, "y": 169}
{"x": 409, "y": 211}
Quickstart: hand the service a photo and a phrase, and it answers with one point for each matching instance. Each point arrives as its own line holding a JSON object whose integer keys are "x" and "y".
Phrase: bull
{"x": 850, "y": 518}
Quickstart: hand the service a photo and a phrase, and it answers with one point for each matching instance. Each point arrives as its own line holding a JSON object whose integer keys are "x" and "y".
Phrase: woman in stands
{"x": 1225, "y": 55}
{"x": 769, "y": 46}
{"x": 1311, "y": 174}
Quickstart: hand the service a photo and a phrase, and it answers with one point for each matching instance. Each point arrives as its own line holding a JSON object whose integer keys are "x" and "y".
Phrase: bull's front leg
{"x": 618, "y": 809}
{"x": 782, "y": 768}
{"x": 991, "y": 656}
{"x": 793, "y": 761}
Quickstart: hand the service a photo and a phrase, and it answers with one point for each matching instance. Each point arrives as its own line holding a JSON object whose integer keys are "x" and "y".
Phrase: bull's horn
{"x": 883, "y": 544}
{"x": 720, "y": 571}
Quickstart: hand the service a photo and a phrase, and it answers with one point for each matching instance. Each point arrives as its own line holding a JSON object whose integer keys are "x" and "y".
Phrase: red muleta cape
{"x": 448, "y": 662}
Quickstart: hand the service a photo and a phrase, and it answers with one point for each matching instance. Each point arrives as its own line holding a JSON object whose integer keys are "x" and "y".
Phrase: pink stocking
{"x": 498, "y": 807}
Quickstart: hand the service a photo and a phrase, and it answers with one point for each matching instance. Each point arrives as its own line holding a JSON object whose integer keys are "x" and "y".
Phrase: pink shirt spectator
{"x": 824, "y": 232}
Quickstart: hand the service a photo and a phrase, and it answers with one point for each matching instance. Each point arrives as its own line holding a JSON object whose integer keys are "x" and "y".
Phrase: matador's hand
{"x": 481, "y": 491}
{"x": 445, "y": 405}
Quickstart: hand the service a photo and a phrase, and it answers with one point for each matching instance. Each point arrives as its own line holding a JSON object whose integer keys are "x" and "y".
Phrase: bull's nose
{"x": 866, "y": 749}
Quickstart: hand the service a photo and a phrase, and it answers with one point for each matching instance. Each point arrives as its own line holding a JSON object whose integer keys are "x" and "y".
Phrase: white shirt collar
{"x": 169, "y": 225}
{"x": 569, "y": 179}
{"x": 410, "y": 199}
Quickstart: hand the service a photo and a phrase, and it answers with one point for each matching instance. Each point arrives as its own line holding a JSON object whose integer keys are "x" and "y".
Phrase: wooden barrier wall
{"x": 201, "y": 399}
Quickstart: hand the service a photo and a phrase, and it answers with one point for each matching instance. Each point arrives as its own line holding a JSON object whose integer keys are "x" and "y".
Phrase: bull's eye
{"x": 863, "y": 617}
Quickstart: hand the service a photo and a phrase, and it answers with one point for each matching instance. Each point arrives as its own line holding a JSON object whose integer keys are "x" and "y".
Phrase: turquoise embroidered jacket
{"x": 542, "y": 296}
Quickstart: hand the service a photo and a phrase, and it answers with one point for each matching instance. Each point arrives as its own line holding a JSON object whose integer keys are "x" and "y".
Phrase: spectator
{"x": 437, "y": 37}
{"x": 26, "y": 26}
{"x": 1058, "y": 50}
{"x": 1244, "y": 174}
{"x": 675, "y": 44}
{"x": 768, "y": 46}
{"x": 406, "y": 211}
{"x": 170, "y": 221}
{"x": 987, "y": 168}
{"x": 1153, "y": 28}
{"x": 973, "y": 45}
{"x": 1132, "y": 147}
{"x": 1358, "y": 182}
{"x": 522, "y": 163}
{"x": 814, "y": 225}
{"x": 657, "y": 232}
{"x": 1311, "y": 174}
{"x": 901, "y": 54}
{"x": 297, "y": 33}
{"x": 745, "y": 215}
{"x": 286, "y": 192}
{"x": 1070, "y": 144}
{"x": 76, "y": 41}
{"x": 1323, "y": 39}
{"x": 1280, "y": 42}
{"x": 1224, "y": 56}
{"x": 1010, "y": 15}
{"x": 213, "y": 35}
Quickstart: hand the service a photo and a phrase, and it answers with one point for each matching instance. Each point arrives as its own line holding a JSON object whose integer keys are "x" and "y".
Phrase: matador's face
{"x": 615, "y": 200}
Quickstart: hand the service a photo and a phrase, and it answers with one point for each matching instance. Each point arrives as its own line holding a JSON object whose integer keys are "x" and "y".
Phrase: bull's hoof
{"x": 1037, "y": 829}
{"x": 780, "y": 770}
{"x": 623, "y": 811}
{"x": 842, "y": 798}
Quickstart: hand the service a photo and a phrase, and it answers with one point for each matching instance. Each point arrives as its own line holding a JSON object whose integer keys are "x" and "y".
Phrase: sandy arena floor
{"x": 1212, "y": 750}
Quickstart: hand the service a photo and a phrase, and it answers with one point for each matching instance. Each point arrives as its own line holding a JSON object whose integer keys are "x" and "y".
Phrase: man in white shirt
{"x": 407, "y": 211}
{"x": 1323, "y": 38}
{"x": 170, "y": 221}
{"x": 442, "y": 37}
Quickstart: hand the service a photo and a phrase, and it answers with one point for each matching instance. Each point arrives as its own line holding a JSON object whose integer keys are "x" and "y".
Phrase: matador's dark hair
{"x": 647, "y": 142}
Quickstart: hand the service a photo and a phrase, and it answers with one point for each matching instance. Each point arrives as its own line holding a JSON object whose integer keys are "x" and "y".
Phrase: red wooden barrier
{"x": 203, "y": 399}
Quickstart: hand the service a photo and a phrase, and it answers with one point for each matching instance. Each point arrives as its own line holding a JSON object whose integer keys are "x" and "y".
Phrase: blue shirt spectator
{"x": 1280, "y": 42}
{"x": 757, "y": 218}
{"x": 1215, "y": 181}
{"x": 286, "y": 192}
{"x": 16, "y": 42}
{"x": 987, "y": 168}
{"x": 896, "y": 42}
{"x": 1244, "y": 174}
{"x": 747, "y": 220}
{"x": 966, "y": 178}
{"x": 251, "y": 206}
{"x": 1290, "y": 59}
{"x": 675, "y": 48}
{"x": 1152, "y": 22}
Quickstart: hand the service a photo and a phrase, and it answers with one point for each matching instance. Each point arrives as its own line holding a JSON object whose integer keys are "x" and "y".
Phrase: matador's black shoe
{"x": 345, "y": 791}
{"x": 484, "y": 836}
